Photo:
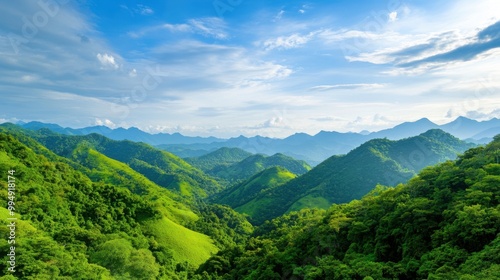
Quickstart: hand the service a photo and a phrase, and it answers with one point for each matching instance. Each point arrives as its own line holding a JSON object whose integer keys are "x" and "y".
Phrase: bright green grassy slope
{"x": 111, "y": 171}
{"x": 255, "y": 205}
{"x": 187, "y": 245}
{"x": 310, "y": 201}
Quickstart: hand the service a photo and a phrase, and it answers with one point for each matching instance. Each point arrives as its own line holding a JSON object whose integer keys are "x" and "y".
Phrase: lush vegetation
{"x": 89, "y": 216}
{"x": 254, "y": 164}
{"x": 160, "y": 167}
{"x": 341, "y": 179}
{"x": 242, "y": 197}
{"x": 442, "y": 224}
{"x": 93, "y": 208}
{"x": 219, "y": 158}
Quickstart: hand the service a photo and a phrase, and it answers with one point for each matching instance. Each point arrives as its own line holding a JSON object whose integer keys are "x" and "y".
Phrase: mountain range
{"x": 311, "y": 148}
{"x": 343, "y": 178}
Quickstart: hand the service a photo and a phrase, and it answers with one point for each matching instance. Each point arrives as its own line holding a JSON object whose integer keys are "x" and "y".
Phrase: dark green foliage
{"x": 64, "y": 215}
{"x": 341, "y": 179}
{"x": 442, "y": 224}
{"x": 226, "y": 226}
{"x": 254, "y": 164}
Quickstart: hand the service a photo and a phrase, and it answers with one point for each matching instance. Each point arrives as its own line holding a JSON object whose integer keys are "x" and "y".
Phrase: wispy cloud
{"x": 287, "y": 42}
{"x": 144, "y": 10}
{"x": 183, "y": 27}
{"x": 346, "y": 86}
{"x": 138, "y": 9}
{"x": 487, "y": 39}
{"x": 208, "y": 27}
{"x": 198, "y": 74}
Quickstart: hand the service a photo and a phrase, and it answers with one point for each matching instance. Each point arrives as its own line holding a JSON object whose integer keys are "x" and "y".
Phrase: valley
{"x": 88, "y": 196}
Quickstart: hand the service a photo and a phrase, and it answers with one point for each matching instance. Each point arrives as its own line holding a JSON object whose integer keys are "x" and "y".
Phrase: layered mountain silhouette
{"x": 311, "y": 148}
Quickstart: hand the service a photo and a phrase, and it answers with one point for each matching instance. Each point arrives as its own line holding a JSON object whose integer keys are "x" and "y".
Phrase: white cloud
{"x": 105, "y": 122}
{"x": 107, "y": 61}
{"x": 374, "y": 122}
{"x": 273, "y": 122}
{"x": 287, "y": 42}
{"x": 393, "y": 16}
{"x": 133, "y": 73}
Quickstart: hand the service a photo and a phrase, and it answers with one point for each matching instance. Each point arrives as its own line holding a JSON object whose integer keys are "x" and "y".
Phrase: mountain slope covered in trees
{"x": 86, "y": 210}
{"x": 163, "y": 168}
{"x": 257, "y": 163}
{"x": 343, "y": 178}
{"x": 222, "y": 157}
{"x": 443, "y": 224}
{"x": 89, "y": 216}
{"x": 240, "y": 196}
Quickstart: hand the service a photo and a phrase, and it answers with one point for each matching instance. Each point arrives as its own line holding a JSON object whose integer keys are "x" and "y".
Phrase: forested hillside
{"x": 88, "y": 207}
{"x": 219, "y": 158}
{"x": 241, "y": 196}
{"x": 162, "y": 168}
{"x": 89, "y": 216}
{"x": 341, "y": 179}
{"x": 256, "y": 163}
{"x": 442, "y": 224}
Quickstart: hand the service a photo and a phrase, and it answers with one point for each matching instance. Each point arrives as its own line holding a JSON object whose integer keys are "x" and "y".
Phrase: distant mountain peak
{"x": 426, "y": 120}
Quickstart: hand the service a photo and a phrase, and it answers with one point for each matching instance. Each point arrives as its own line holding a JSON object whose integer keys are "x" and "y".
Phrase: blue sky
{"x": 230, "y": 67}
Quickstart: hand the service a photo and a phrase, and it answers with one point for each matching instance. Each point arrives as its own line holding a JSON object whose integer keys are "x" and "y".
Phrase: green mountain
{"x": 240, "y": 196}
{"x": 219, "y": 159}
{"x": 90, "y": 216}
{"x": 341, "y": 179}
{"x": 257, "y": 163}
{"x": 161, "y": 167}
{"x": 443, "y": 224}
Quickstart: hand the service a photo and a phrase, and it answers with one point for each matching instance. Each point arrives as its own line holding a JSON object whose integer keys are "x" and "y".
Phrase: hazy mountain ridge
{"x": 132, "y": 134}
{"x": 311, "y": 148}
{"x": 314, "y": 149}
